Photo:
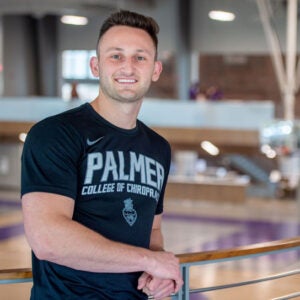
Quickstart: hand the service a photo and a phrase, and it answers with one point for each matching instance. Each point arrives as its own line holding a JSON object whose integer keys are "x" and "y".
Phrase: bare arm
{"x": 157, "y": 241}
{"x": 54, "y": 236}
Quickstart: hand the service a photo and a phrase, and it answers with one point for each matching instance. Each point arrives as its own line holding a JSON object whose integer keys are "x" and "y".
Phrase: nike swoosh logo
{"x": 93, "y": 142}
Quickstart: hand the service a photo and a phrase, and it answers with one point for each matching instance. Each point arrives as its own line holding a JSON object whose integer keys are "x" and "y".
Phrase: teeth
{"x": 126, "y": 80}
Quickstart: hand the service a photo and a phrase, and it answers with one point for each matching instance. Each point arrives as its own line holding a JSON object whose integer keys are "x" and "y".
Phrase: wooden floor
{"x": 192, "y": 226}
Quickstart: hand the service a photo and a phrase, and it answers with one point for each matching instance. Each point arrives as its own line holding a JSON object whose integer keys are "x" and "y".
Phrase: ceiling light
{"x": 210, "y": 148}
{"x": 220, "y": 15}
{"x": 74, "y": 20}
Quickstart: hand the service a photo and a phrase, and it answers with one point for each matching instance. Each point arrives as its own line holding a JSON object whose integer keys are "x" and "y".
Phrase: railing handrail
{"x": 252, "y": 249}
{"x": 246, "y": 282}
{"x": 15, "y": 274}
{"x": 185, "y": 258}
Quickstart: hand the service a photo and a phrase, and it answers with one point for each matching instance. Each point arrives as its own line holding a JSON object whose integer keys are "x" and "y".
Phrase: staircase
{"x": 261, "y": 185}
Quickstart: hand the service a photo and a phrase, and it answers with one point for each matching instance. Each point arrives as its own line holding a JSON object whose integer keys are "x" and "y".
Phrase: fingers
{"x": 159, "y": 288}
{"x": 143, "y": 280}
{"x": 163, "y": 290}
{"x": 154, "y": 284}
{"x": 178, "y": 284}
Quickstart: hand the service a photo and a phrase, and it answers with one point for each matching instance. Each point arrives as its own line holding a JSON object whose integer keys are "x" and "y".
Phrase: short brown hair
{"x": 131, "y": 19}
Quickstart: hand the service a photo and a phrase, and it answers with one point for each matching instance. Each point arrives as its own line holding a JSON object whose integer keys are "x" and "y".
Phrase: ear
{"x": 94, "y": 66}
{"x": 157, "y": 70}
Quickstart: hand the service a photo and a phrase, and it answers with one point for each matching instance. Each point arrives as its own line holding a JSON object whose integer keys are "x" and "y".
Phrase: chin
{"x": 129, "y": 98}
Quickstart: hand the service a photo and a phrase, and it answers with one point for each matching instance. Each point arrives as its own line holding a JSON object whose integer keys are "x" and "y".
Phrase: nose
{"x": 128, "y": 66}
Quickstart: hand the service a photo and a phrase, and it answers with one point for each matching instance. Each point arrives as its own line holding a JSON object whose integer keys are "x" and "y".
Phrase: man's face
{"x": 126, "y": 64}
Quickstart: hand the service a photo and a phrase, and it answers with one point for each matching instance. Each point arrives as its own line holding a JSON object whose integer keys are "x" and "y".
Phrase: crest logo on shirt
{"x": 129, "y": 213}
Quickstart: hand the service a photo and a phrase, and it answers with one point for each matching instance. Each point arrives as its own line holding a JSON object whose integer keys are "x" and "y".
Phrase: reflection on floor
{"x": 200, "y": 226}
{"x": 192, "y": 226}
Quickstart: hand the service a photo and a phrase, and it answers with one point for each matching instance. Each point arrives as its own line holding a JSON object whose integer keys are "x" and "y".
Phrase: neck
{"x": 123, "y": 115}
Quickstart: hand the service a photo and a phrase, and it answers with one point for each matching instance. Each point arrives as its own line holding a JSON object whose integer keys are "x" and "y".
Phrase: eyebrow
{"x": 121, "y": 49}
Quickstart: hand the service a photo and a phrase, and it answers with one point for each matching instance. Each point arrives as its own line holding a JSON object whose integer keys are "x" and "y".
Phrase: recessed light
{"x": 74, "y": 20}
{"x": 220, "y": 15}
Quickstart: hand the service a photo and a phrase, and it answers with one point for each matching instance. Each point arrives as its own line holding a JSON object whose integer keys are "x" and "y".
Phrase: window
{"x": 75, "y": 69}
{"x": 76, "y": 64}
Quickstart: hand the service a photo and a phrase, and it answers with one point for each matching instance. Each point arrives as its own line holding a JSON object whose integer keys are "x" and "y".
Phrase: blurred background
{"x": 227, "y": 101}
{"x": 230, "y": 82}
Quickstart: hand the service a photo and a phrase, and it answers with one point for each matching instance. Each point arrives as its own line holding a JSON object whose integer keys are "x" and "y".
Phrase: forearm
{"x": 156, "y": 241}
{"x": 54, "y": 236}
{"x": 71, "y": 244}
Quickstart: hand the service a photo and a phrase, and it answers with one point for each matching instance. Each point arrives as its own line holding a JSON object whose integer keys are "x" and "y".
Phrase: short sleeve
{"x": 50, "y": 158}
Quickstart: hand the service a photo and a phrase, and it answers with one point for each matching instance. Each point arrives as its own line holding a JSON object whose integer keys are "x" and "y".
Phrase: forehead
{"x": 126, "y": 37}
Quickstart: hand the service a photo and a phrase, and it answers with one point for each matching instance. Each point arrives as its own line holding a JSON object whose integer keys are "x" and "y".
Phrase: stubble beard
{"x": 125, "y": 95}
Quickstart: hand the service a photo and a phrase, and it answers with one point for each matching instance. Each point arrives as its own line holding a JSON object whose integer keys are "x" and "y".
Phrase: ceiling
{"x": 42, "y": 7}
{"x": 93, "y": 7}
{"x": 59, "y": 7}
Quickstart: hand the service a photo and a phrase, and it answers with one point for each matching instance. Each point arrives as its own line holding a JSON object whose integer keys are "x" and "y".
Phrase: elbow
{"x": 41, "y": 246}
{"x": 43, "y": 252}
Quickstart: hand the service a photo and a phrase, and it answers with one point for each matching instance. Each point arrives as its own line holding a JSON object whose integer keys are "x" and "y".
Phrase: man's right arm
{"x": 54, "y": 236}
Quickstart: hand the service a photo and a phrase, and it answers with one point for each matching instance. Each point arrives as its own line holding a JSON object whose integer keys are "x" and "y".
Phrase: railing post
{"x": 184, "y": 293}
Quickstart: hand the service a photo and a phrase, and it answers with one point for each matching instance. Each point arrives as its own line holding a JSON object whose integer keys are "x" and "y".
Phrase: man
{"x": 93, "y": 181}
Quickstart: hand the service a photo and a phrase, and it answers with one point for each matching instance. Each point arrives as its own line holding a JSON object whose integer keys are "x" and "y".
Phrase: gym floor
{"x": 191, "y": 226}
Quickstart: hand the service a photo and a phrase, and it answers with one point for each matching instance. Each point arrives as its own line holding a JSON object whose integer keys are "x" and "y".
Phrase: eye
{"x": 140, "y": 58}
{"x": 116, "y": 56}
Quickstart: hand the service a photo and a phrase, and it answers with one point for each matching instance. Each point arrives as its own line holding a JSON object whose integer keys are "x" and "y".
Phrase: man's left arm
{"x": 157, "y": 240}
{"x": 156, "y": 287}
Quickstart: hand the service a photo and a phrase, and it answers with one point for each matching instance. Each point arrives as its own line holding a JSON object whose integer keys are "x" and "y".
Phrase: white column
{"x": 264, "y": 12}
{"x": 286, "y": 78}
{"x": 183, "y": 49}
{"x": 291, "y": 31}
{"x": 1, "y": 58}
{"x": 194, "y": 67}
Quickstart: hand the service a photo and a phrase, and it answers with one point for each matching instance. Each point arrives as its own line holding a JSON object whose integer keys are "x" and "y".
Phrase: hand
{"x": 166, "y": 266}
{"x": 156, "y": 287}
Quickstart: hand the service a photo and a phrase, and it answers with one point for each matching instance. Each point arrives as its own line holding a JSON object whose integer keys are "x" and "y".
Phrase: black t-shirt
{"x": 117, "y": 179}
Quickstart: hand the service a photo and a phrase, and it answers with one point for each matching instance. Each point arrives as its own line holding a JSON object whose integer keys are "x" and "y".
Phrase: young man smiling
{"x": 92, "y": 235}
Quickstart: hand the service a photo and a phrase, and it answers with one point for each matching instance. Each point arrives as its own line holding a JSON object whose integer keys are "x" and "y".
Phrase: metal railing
{"x": 201, "y": 258}
{"x": 209, "y": 257}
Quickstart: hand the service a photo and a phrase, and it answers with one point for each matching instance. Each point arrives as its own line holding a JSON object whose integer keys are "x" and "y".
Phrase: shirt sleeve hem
{"x": 47, "y": 189}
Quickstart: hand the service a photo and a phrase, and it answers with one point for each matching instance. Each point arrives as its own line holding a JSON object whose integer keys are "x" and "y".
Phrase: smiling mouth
{"x": 126, "y": 81}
